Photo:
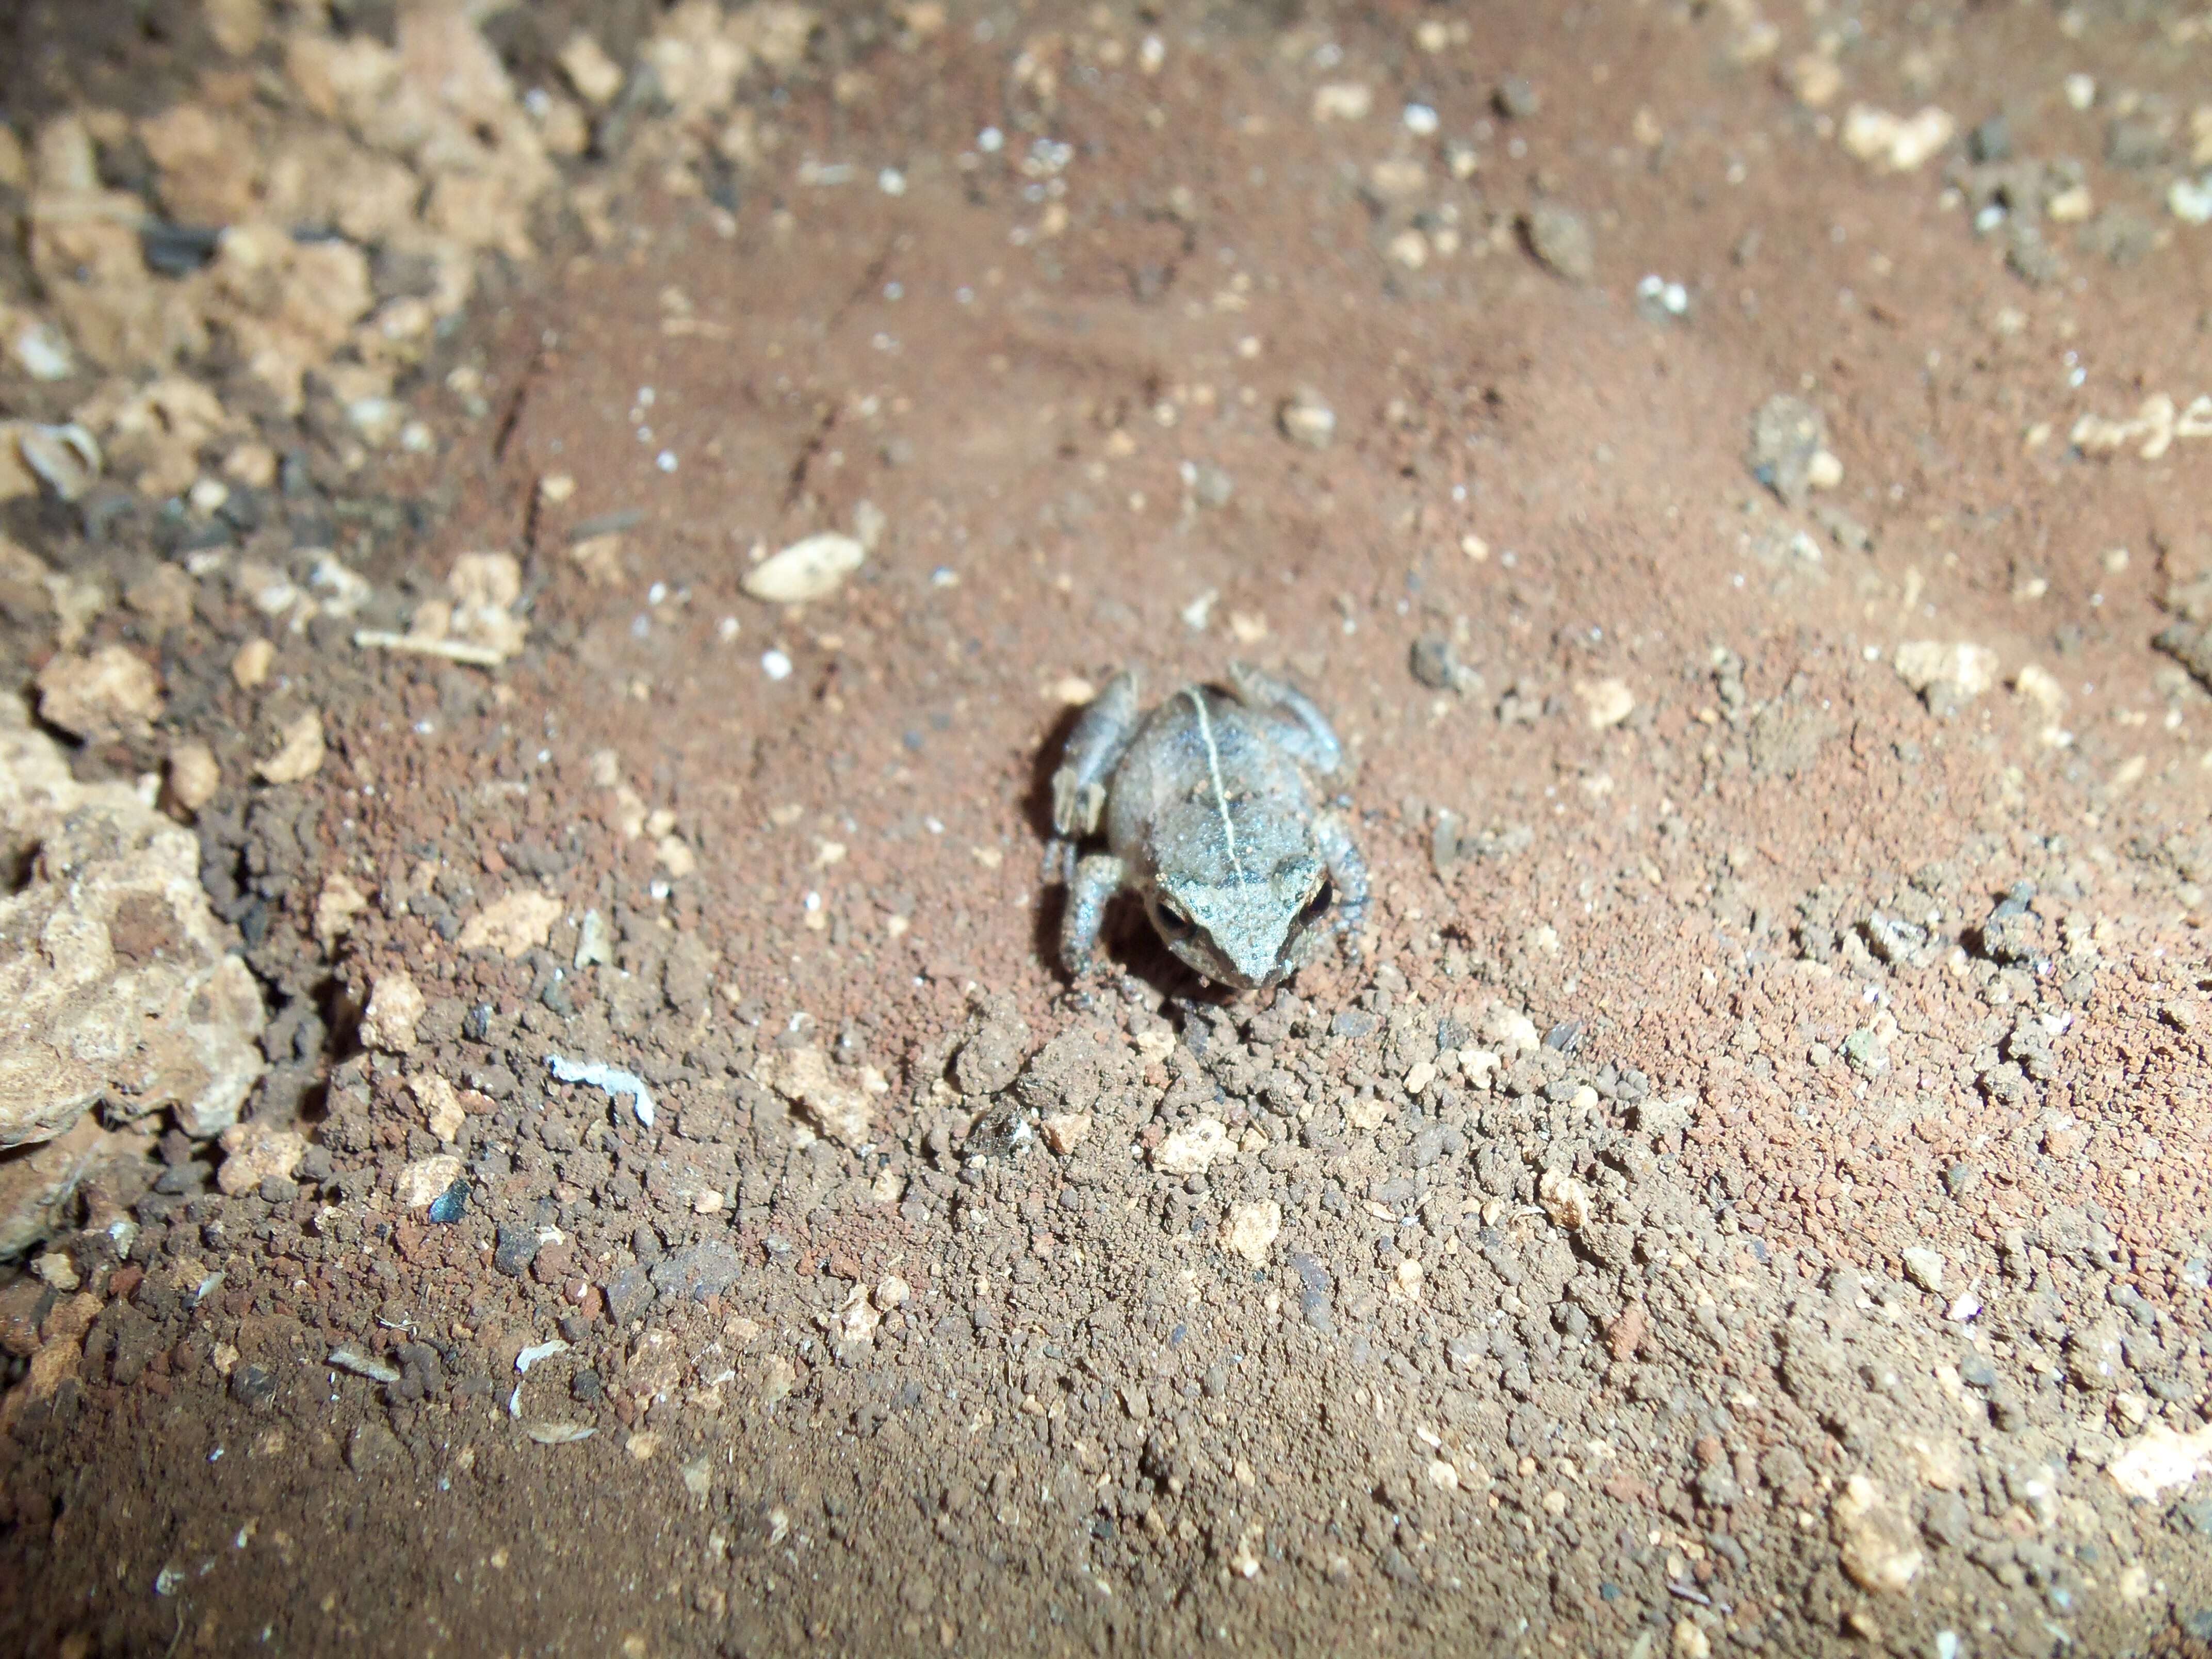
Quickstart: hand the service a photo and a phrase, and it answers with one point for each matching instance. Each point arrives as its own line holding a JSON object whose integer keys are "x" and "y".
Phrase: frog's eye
{"x": 1170, "y": 921}
{"x": 1317, "y": 907}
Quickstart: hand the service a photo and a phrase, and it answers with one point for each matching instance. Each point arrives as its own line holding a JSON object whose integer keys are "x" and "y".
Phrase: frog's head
{"x": 1255, "y": 928}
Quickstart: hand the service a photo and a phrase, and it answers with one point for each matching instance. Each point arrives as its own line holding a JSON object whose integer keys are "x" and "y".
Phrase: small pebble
{"x": 775, "y": 664}
{"x": 1342, "y": 100}
{"x": 44, "y": 354}
{"x": 1990, "y": 141}
{"x": 1433, "y": 661}
{"x": 67, "y": 456}
{"x": 1305, "y": 419}
{"x": 453, "y": 1204}
{"x": 1787, "y": 435}
{"x": 1516, "y": 99}
{"x": 1924, "y": 1267}
{"x": 812, "y": 568}
{"x": 2191, "y": 201}
{"x": 1560, "y": 239}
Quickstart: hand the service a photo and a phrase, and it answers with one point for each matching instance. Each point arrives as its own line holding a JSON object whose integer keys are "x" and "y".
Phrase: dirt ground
{"x": 1737, "y": 482}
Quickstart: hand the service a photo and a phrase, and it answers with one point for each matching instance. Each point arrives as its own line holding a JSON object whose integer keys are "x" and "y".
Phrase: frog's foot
{"x": 1077, "y": 804}
{"x": 1096, "y": 880}
{"x": 1094, "y": 747}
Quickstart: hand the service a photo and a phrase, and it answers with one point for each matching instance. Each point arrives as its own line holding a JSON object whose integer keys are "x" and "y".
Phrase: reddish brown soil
{"x": 1092, "y": 1425}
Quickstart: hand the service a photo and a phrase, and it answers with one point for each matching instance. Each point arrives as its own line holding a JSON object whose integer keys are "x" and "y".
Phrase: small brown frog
{"x": 1209, "y": 813}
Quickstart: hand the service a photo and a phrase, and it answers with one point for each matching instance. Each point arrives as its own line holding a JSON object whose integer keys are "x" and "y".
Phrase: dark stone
{"x": 627, "y": 1293}
{"x": 1433, "y": 662}
{"x": 518, "y": 1248}
{"x": 174, "y": 249}
{"x": 453, "y": 1204}
{"x": 251, "y": 1385}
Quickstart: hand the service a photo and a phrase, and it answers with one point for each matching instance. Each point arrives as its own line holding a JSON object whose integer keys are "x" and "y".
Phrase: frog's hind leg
{"x": 1298, "y": 725}
{"x": 1096, "y": 880}
{"x": 1078, "y": 787}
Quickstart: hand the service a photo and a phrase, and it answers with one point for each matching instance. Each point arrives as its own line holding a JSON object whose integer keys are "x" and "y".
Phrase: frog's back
{"x": 1199, "y": 748}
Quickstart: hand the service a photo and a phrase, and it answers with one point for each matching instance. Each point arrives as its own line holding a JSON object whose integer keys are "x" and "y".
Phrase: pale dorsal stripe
{"x": 1220, "y": 790}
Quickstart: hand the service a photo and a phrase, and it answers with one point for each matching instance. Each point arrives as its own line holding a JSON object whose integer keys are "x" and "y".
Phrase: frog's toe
{"x": 1077, "y": 806}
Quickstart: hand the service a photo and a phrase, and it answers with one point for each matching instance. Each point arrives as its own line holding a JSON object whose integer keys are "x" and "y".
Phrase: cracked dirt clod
{"x": 113, "y": 979}
{"x": 98, "y": 695}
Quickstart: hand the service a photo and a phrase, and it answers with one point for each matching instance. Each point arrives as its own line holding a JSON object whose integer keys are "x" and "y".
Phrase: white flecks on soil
{"x": 1558, "y": 1274}
{"x": 616, "y": 1081}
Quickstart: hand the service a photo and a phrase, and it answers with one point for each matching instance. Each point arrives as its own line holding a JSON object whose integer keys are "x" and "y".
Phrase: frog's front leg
{"x": 1096, "y": 879}
{"x": 1298, "y": 726}
{"x": 1347, "y": 873}
{"x": 1078, "y": 787}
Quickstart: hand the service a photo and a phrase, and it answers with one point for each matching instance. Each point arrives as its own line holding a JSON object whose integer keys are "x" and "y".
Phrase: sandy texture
{"x": 1731, "y": 481}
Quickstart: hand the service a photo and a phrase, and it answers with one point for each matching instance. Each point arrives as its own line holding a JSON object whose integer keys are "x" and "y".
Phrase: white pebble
{"x": 1420, "y": 120}
{"x": 44, "y": 354}
{"x": 990, "y": 141}
{"x": 1342, "y": 100}
{"x": 891, "y": 182}
{"x": 2191, "y": 202}
{"x": 665, "y": 460}
{"x": 775, "y": 664}
{"x": 811, "y": 569}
